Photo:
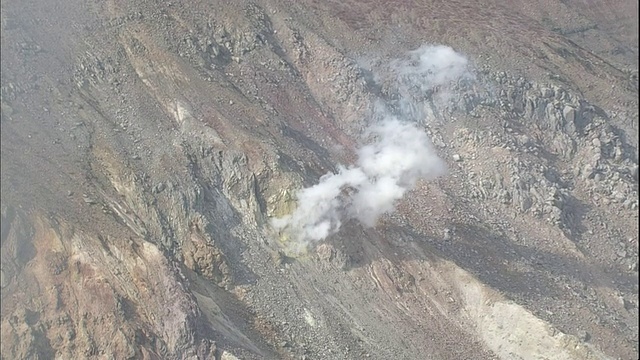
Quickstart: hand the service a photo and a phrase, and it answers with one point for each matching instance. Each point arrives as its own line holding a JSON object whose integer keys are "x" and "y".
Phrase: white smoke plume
{"x": 423, "y": 78}
{"x": 431, "y": 66}
{"x": 390, "y": 165}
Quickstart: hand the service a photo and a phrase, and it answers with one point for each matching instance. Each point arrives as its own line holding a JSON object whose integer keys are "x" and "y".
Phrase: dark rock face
{"x": 147, "y": 147}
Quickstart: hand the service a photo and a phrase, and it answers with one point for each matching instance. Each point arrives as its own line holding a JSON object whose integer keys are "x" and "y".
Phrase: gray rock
{"x": 228, "y": 356}
{"x": 569, "y": 114}
{"x": 547, "y": 92}
{"x": 159, "y": 188}
{"x": 329, "y": 254}
{"x": 583, "y": 335}
{"x": 3, "y": 279}
{"x": 87, "y": 199}
{"x": 504, "y": 196}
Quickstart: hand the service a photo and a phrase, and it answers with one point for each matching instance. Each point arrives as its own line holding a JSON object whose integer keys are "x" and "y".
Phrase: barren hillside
{"x": 319, "y": 179}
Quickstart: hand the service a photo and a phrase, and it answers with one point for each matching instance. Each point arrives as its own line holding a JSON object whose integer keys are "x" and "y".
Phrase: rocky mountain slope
{"x": 147, "y": 148}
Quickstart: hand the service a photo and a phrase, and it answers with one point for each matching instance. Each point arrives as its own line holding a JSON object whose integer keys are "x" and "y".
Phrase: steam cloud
{"x": 387, "y": 168}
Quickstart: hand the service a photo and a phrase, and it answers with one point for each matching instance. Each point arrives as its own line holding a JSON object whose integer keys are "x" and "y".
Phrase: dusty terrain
{"x": 147, "y": 145}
